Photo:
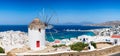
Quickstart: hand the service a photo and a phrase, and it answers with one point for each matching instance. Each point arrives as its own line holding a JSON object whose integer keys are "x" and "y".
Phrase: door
{"x": 37, "y": 44}
{"x": 115, "y": 41}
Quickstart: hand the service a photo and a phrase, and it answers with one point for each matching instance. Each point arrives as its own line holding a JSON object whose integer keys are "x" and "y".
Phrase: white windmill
{"x": 36, "y": 33}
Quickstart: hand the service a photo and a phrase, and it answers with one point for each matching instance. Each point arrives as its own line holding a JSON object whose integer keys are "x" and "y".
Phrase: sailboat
{"x": 49, "y": 27}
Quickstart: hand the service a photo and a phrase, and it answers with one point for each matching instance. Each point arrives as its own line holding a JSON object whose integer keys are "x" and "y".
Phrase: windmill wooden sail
{"x": 47, "y": 18}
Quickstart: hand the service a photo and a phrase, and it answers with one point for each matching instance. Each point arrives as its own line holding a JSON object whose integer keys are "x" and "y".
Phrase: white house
{"x": 116, "y": 39}
{"x": 87, "y": 39}
{"x": 65, "y": 41}
{"x": 36, "y": 33}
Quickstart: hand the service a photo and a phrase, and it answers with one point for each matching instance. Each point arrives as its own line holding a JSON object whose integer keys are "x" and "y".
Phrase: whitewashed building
{"x": 36, "y": 33}
{"x": 96, "y": 39}
{"x": 116, "y": 39}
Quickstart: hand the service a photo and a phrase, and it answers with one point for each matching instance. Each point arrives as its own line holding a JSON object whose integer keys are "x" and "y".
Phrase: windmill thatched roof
{"x": 36, "y": 24}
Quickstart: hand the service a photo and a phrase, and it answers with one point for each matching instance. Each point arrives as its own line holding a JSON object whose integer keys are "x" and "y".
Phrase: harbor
{"x": 22, "y": 42}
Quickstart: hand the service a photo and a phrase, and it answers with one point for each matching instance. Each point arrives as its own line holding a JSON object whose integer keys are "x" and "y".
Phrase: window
{"x": 37, "y": 43}
{"x": 39, "y": 30}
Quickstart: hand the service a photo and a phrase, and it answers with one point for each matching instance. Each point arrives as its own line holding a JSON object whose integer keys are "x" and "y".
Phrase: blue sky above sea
{"x": 24, "y": 11}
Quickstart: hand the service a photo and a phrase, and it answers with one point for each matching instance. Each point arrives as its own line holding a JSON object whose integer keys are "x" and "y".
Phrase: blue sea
{"x": 57, "y": 32}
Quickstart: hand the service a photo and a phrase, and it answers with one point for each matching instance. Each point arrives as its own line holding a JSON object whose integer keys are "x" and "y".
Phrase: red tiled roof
{"x": 115, "y": 36}
{"x": 57, "y": 41}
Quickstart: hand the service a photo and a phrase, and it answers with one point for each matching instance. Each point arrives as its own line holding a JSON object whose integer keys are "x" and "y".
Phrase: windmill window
{"x": 39, "y": 30}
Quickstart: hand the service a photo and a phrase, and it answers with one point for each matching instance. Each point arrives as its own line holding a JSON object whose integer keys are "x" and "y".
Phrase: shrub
{"x": 62, "y": 45}
{"x": 2, "y": 50}
{"x": 85, "y": 45}
{"x": 93, "y": 44}
{"x": 55, "y": 46}
{"x": 78, "y": 46}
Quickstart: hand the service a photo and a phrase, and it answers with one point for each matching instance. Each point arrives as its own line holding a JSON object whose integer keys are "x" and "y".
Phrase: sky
{"x": 22, "y": 12}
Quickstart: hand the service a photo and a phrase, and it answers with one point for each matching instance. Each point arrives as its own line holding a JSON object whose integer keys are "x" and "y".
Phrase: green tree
{"x": 2, "y": 50}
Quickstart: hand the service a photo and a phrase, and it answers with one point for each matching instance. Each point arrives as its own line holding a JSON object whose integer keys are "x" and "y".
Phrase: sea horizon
{"x": 58, "y": 31}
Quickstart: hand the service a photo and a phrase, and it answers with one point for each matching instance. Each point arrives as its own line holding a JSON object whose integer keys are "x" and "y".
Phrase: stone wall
{"x": 92, "y": 53}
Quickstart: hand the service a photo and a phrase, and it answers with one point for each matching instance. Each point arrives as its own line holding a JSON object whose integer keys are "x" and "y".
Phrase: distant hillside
{"x": 81, "y": 23}
{"x": 86, "y": 23}
{"x": 109, "y": 23}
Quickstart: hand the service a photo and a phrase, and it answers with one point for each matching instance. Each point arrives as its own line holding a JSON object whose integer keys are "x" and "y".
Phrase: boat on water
{"x": 68, "y": 30}
{"x": 49, "y": 27}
